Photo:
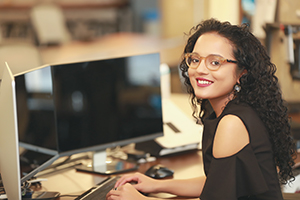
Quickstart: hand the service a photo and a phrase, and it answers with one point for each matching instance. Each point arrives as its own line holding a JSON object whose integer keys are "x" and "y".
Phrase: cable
{"x": 25, "y": 188}
{"x": 59, "y": 164}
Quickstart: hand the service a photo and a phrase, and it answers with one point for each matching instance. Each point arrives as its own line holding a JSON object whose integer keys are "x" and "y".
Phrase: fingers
{"x": 124, "y": 192}
{"x": 113, "y": 195}
{"x": 127, "y": 179}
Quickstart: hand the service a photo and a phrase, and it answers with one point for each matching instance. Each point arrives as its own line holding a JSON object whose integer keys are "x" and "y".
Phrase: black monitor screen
{"x": 35, "y": 108}
{"x": 81, "y": 105}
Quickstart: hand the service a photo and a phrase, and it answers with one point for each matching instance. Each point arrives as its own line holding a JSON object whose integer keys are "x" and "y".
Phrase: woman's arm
{"x": 185, "y": 187}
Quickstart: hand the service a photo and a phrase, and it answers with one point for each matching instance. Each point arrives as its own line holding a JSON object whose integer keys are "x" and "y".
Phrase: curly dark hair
{"x": 260, "y": 88}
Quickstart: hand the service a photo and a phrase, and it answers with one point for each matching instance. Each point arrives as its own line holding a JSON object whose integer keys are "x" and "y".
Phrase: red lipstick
{"x": 202, "y": 82}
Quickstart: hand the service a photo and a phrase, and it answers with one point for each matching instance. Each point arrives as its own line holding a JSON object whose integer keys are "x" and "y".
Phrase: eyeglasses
{"x": 212, "y": 62}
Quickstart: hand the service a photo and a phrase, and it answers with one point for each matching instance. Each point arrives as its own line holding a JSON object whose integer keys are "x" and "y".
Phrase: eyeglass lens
{"x": 212, "y": 62}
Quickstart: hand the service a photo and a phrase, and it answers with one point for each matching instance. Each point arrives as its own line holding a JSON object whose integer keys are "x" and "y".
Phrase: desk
{"x": 114, "y": 45}
{"x": 185, "y": 165}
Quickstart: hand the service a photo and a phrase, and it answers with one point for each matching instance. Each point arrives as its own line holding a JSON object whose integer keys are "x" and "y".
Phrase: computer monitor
{"x": 9, "y": 150}
{"x": 87, "y": 106}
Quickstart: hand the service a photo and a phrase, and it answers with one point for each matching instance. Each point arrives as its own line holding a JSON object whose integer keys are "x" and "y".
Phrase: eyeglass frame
{"x": 186, "y": 56}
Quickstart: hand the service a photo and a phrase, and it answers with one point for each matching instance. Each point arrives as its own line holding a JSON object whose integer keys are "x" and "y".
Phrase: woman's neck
{"x": 219, "y": 104}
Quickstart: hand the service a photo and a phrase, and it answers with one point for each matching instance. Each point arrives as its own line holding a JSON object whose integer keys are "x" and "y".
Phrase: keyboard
{"x": 99, "y": 192}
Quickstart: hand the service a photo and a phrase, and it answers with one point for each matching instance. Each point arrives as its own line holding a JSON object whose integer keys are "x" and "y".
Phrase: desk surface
{"x": 114, "y": 45}
{"x": 69, "y": 181}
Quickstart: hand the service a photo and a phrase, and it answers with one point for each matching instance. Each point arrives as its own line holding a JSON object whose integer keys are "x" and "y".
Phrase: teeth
{"x": 204, "y": 82}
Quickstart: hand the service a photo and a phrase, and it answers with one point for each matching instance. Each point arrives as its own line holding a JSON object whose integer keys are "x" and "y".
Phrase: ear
{"x": 241, "y": 74}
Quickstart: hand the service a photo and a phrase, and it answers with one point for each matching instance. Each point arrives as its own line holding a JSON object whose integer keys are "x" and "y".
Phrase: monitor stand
{"x": 107, "y": 165}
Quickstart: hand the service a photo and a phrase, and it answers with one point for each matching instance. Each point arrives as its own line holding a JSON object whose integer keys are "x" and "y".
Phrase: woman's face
{"x": 213, "y": 85}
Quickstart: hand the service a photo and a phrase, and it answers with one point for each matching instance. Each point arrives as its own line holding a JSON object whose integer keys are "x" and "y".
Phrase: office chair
{"x": 49, "y": 24}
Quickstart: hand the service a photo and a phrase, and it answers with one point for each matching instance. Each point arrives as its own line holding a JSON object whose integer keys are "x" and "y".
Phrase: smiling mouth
{"x": 204, "y": 82}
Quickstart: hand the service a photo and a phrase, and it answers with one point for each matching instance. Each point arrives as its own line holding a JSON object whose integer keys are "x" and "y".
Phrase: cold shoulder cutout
{"x": 231, "y": 136}
{"x": 249, "y": 173}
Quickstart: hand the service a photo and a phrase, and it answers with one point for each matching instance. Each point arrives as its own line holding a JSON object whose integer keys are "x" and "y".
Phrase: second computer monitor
{"x": 92, "y": 105}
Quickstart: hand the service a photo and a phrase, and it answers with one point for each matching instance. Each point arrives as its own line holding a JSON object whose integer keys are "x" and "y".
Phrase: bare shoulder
{"x": 231, "y": 137}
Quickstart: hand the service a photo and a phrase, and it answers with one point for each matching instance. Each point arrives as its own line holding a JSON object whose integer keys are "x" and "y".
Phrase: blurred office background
{"x": 38, "y": 32}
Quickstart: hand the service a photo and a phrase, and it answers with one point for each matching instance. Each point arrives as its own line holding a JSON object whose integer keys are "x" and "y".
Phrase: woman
{"x": 247, "y": 147}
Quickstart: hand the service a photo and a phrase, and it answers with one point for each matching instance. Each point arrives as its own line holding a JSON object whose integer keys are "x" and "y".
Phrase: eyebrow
{"x": 209, "y": 55}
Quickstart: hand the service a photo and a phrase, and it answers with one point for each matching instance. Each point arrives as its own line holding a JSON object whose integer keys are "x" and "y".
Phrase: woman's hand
{"x": 140, "y": 182}
{"x": 128, "y": 187}
{"x": 125, "y": 192}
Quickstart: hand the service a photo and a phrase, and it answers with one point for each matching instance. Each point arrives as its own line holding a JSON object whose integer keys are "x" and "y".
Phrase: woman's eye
{"x": 195, "y": 60}
{"x": 215, "y": 62}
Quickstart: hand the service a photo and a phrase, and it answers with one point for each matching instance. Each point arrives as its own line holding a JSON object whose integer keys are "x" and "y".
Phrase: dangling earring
{"x": 237, "y": 88}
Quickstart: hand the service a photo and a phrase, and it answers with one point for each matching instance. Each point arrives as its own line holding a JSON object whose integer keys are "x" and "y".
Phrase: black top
{"x": 248, "y": 174}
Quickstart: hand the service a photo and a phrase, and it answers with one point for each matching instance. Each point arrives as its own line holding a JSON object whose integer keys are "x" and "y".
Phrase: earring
{"x": 237, "y": 88}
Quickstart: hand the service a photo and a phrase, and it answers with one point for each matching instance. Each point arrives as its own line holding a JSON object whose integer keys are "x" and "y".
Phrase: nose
{"x": 202, "y": 67}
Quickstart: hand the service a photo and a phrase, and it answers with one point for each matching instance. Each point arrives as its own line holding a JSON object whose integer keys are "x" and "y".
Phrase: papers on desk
{"x": 293, "y": 187}
{"x": 189, "y": 133}
{"x": 181, "y": 133}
